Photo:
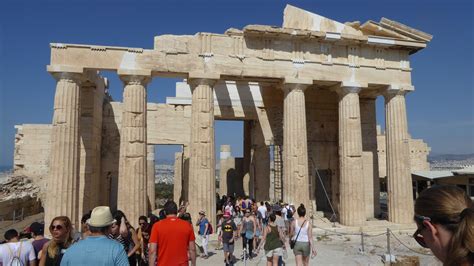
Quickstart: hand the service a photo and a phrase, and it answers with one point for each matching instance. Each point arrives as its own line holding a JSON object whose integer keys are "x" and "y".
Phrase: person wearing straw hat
{"x": 97, "y": 249}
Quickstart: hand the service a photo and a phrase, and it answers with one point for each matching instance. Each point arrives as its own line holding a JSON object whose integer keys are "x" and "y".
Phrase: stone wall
{"x": 419, "y": 151}
{"x": 32, "y": 153}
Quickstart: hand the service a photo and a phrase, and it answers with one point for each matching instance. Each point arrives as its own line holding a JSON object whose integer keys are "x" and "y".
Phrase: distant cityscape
{"x": 164, "y": 169}
{"x": 450, "y": 161}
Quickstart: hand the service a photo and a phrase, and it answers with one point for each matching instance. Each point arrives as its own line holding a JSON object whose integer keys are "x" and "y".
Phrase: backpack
{"x": 289, "y": 213}
{"x": 244, "y": 204}
{"x": 16, "y": 260}
{"x": 210, "y": 230}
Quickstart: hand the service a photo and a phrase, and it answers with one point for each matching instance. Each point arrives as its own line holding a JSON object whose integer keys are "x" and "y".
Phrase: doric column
{"x": 132, "y": 191}
{"x": 150, "y": 173}
{"x": 247, "y": 181}
{"x": 399, "y": 185}
{"x": 260, "y": 163}
{"x": 225, "y": 158}
{"x": 202, "y": 176}
{"x": 295, "y": 144}
{"x": 63, "y": 184}
{"x": 369, "y": 156}
{"x": 351, "y": 195}
{"x": 178, "y": 177}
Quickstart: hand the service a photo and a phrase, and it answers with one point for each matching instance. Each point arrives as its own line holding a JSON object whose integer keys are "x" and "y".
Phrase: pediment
{"x": 297, "y": 18}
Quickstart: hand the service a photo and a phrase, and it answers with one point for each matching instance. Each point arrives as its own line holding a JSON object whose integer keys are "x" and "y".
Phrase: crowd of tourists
{"x": 444, "y": 216}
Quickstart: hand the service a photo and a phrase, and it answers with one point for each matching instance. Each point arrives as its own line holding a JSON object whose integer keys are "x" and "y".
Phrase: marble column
{"x": 227, "y": 163}
{"x": 351, "y": 195}
{"x": 370, "y": 157}
{"x": 295, "y": 145}
{"x": 246, "y": 179}
{"x": 150, "y": 179}
{"x": 202, "y": 165}
{"x": 260, "y": 164}
{"x": 132, "y": 185}
{"x": 63, "y": 184}
{"x": 178, "y": 178}
{"x": 399, "y": 184}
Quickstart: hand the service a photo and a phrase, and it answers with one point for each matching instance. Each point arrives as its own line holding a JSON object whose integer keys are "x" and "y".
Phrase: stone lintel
{"x": 202, "y": 75}
{"x": 64, "y": 69}
{"x": 134, "y": 72}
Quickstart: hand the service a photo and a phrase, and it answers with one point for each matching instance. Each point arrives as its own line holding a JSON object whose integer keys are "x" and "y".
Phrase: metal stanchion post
{"x": 388, "y": 242}
{"x": 362, "y": 241}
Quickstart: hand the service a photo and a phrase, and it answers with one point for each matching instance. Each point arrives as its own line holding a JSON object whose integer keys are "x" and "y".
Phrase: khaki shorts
{"x": 302, "y": 248}
{"x": 274, "y": 252}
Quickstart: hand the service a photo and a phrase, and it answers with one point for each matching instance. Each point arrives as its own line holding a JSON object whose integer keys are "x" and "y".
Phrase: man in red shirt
{"x": 172, "y": 238}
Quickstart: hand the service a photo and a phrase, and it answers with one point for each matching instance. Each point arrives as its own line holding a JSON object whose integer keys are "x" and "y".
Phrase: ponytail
{"x": 452, "y": 208}
{"x": 462, "y": 242}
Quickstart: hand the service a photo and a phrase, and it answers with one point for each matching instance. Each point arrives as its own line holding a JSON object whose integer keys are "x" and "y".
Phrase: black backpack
{"x": 289, "y": 213}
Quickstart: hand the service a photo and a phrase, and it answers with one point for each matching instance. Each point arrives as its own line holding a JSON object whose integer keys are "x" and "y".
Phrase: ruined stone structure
{"x": 306, "y": 91}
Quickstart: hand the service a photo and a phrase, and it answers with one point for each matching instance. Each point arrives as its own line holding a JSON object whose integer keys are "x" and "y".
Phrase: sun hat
{"x": 219, "y": 212}
{"x": 101, "y": 217}
{"x": 202, "y": 213}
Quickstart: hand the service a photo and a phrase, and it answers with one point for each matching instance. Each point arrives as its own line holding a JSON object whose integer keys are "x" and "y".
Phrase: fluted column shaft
{"x": 63, "y": 185}
{"x": 295, "y": 146}
{"x": 351, "y": 204}
{"x": 150, "y": 173}
{"x": 132, "y": 185}
{"x": 399, "y": 185}
{"x": 202, "y": 181}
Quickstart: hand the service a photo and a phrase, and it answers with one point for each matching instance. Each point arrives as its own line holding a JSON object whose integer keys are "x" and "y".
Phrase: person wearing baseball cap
{"x": 97, "y": 249}
{"x": 204, "y": 227}
{"x": 228, "y": 234}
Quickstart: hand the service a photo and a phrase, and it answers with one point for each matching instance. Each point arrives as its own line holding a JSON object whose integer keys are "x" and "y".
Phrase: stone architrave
{"x": 295, "y": 144}
{"x": 351, "y": 195}
{"x": 150, "y": 173}
{"x": 132, "y": 180}
{"x": 202, "y": 165}
{"x": 399, "y": 184}
{"x": 63, "y": 185}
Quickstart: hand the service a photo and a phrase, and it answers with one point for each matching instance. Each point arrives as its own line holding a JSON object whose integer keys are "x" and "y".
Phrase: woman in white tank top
{"x": 301, "y": 232}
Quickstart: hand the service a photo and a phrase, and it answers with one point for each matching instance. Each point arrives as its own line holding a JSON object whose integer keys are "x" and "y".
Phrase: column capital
{"x": 200, "y": 78}
{"x": 70, "y": 73}
{"x": 135, "y": 76}
{"x": 397, "y": 89}
{"x": 343, "y": 91}
{"x": 290, "y": 83}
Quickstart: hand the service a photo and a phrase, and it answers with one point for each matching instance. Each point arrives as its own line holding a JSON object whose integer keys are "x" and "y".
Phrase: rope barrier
{"x": 428, "y": 254}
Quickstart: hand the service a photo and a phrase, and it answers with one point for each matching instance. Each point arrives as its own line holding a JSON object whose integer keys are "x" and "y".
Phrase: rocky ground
{"x": 17, "y": 187}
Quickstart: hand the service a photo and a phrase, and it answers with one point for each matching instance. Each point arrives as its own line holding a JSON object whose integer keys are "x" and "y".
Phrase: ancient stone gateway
{"x": 308, "y": 88}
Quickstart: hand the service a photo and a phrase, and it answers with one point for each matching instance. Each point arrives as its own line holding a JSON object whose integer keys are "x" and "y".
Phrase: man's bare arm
{"x": 152, "y": 254}
{"x": 192, "y": 252}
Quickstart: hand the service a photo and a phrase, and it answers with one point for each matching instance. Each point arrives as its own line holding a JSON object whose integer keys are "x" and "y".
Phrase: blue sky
{"x": 440, "y": 110}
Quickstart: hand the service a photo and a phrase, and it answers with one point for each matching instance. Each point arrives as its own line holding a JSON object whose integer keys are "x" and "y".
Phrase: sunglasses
{"x": 419, "y": 238}
{"x": 417, "y": 235}
{"x": 55, "y": 227}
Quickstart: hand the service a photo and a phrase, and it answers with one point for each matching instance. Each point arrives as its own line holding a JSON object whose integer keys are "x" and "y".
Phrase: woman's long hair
{"x": 53, "y": 245}
{"x": 452, "y": 208}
